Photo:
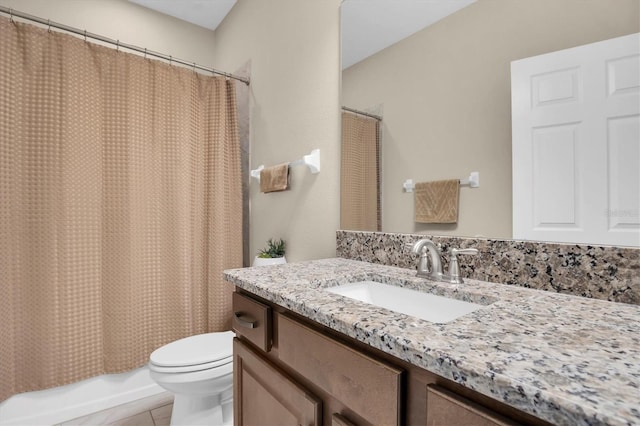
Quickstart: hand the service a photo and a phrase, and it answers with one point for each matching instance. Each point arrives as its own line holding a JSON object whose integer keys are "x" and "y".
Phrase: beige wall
{"x": 294, "y": 48}
{"x": 446, "y": 99}
{"x": 127, "y": 22}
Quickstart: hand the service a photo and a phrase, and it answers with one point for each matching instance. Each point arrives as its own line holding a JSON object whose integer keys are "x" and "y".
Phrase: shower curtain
{"x": 360, "y": 208}
{"x": 120, "y": 205}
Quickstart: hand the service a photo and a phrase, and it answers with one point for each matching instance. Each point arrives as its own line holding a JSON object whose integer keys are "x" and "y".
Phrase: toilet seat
{"x": 190, "y": 368}
{"x": 193, "y": 353}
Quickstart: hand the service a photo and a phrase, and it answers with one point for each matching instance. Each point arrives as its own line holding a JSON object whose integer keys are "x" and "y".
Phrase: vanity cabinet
{"x": 290, "y": 370}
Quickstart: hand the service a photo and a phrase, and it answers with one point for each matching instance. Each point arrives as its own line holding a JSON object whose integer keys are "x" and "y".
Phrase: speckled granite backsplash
{"x": 599, "y": 272}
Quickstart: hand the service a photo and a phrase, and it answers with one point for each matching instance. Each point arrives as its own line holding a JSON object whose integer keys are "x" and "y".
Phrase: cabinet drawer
{"x": 252, "y": 320}
{"x": 367, "y": 386}
{"x": 446, "y": 408}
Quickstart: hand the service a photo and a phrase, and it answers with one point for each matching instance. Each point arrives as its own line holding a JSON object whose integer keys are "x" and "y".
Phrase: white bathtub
{"x": 51, "y": 406}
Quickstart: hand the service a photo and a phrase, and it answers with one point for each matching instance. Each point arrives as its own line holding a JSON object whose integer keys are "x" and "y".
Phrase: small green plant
{"x": 275, "y": 248}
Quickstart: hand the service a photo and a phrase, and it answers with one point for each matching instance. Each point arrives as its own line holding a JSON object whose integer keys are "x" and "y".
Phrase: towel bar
{"x": 472, "y": 181}
{"x": 312, "y": 161}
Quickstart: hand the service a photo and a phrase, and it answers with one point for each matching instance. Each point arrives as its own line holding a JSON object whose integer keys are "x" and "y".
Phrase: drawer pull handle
{"x": 243, "y": 322}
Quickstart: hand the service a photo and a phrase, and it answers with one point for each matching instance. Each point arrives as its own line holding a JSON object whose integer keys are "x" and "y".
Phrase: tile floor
{"x": 152, "y": 411}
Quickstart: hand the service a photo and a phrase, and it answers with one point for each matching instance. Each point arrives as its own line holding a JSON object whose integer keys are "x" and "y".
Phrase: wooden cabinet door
{"x": 339, "y": 420}
{"x": 445, "y": 408}
{"x": 263, "y": 395}
{"x": 370, "y": 388}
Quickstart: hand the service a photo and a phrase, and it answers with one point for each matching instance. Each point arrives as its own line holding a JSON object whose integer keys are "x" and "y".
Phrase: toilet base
{"x": 216, "y": 410}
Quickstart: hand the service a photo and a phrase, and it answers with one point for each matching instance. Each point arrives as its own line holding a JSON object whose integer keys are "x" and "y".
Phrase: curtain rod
{"x": 15, "y": 13}
{"x": 355, "y": 111}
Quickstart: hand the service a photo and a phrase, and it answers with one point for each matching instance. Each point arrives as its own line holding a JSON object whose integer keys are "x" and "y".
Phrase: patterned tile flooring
{"x": 152, "y": 411}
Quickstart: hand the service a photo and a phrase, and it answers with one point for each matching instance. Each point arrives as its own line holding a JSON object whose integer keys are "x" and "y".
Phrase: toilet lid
{"x": 194, "y": 350}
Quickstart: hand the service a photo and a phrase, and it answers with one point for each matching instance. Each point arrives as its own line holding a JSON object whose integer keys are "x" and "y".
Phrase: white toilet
{"x": 199, "y": 371}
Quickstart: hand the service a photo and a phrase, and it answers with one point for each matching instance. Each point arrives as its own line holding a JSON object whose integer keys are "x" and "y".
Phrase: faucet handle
{"x": 467, "y": 251}
{"x": 454, "y": 267}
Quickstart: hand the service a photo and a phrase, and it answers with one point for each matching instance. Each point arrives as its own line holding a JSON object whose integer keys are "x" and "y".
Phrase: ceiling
{"x": 205, "y": 13}
{"x": 368, "y": 26}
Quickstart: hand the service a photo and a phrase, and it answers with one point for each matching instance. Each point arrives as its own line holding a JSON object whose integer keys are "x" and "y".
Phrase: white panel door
{"x": 576, "y": 144}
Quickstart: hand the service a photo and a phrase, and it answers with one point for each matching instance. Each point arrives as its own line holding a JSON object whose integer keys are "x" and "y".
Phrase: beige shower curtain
{"x": 360, "y": 208}
{"x": 120, "y": 205}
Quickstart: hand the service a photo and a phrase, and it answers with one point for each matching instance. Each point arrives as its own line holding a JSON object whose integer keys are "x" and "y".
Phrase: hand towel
{"x": 437, "y": 202}
{"x": 275, "y": 178}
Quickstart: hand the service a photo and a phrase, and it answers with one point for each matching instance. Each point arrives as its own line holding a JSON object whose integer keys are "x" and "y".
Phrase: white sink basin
{"x": 429, "y": 307}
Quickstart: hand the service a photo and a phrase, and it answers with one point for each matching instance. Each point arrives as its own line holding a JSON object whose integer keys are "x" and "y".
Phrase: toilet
{"x": 198, "y": 370}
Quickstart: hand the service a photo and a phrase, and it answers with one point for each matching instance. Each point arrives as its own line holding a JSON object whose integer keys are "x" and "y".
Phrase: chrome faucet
{"x": 421, "y": 247}
{"x": 425, "y": 245}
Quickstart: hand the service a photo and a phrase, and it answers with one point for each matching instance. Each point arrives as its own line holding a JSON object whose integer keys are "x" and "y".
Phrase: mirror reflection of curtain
{"x": 360, "y": 174}
{"x": 120, "y": 206}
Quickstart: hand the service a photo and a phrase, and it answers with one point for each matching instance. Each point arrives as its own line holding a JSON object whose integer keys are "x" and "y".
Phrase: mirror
{"x": 445, "y": 98}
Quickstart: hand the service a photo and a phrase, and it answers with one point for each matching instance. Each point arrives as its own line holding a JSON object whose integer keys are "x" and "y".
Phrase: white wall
{"x": 294, "y": 49}
{"x": 446, "y": 100}
{"x": 127, "y": 22}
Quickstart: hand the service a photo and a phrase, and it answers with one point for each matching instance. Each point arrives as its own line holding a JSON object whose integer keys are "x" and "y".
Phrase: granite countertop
{"x": 565, "y": 359}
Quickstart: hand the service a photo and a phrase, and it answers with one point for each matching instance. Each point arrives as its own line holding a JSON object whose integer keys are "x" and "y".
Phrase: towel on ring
{"x": 437, "y": 202}
{"x": 275, "y": 178}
